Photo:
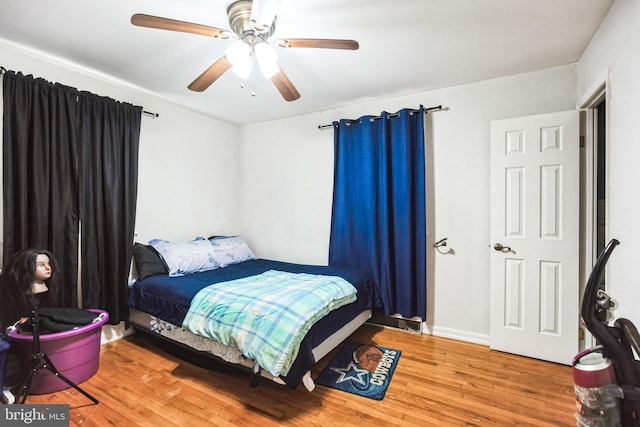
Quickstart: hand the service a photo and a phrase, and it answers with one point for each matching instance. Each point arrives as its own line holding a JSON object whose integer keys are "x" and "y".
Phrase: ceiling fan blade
{"x": 320, "y": 43}
{"x": 149, "y": 21}
{"x": 210, "y": 75}
{"x": 284, "y": 86}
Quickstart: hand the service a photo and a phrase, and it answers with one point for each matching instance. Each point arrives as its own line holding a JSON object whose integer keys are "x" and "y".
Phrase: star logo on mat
{"x": 351, "y": 373}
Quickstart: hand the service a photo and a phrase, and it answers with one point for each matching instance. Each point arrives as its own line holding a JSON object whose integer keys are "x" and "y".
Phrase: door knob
{"x": 500, "y": 248}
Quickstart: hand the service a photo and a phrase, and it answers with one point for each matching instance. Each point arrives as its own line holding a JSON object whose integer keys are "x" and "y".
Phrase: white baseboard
{"x": 114, "y": 332}
{"x": 456, "y": 334}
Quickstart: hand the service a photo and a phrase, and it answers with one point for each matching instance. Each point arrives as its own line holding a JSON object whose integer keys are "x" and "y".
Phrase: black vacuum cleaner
{"x": 607, "y": 376}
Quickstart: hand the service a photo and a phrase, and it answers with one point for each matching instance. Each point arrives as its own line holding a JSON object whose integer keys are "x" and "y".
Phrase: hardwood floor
{"x": 438, "y": 381}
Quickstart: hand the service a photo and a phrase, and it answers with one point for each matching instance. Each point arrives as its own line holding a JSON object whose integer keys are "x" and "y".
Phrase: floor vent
{"x": 410, "y": 325}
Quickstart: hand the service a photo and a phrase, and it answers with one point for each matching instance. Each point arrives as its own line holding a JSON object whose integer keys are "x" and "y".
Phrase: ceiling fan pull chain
{"x": 253, "y": 81}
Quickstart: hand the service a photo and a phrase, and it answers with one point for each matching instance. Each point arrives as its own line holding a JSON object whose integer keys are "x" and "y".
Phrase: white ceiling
{"x": 406, "y": 46}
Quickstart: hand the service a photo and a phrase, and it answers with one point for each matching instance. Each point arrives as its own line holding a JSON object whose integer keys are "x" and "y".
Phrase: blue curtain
{"x": 378, "y": 220}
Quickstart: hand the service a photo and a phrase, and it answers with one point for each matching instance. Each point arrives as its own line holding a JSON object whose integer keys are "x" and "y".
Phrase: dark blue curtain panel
{"x": 379, "y": 215}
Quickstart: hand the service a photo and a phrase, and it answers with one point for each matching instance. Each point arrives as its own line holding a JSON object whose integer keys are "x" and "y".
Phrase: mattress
{"x": 168, "y": 299}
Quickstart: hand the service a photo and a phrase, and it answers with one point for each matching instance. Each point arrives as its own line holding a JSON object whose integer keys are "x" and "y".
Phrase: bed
{"x": 172, "y": 287}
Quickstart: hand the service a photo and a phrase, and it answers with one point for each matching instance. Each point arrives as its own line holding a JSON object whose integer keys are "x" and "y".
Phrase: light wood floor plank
{"x": 438, "y": 382}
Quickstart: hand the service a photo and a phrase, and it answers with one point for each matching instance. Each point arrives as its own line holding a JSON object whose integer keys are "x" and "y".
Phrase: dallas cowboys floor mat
{"x": 361, "y": 369}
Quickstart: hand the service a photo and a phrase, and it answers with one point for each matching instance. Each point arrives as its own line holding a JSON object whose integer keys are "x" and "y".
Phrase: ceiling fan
{"x": 252, "y": 22}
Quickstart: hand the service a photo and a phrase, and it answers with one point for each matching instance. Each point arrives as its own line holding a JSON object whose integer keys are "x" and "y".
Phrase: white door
{"x": 535, "y": 217}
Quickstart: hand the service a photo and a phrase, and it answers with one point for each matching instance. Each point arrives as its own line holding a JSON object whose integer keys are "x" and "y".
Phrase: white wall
{"x": 275, "y": 188}
{"x": 612, "y": 56}
{"x": 187, "y": 162}
{"x": 288, "y": 178}
{"x": 286, "y": 188}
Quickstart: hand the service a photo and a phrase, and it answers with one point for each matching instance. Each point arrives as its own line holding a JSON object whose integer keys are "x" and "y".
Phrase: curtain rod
{"x": 146, "y": 113}
{"x": 426, "y": 110}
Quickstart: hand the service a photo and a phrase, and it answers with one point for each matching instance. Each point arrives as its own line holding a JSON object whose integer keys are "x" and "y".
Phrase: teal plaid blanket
{"x": 266, "y": 316}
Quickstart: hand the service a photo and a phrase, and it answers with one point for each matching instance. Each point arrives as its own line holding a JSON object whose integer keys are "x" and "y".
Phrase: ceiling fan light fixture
{"x": 243, "y": 68}
{"x": 267, "y": 58}
{"x": 238, "y": 52}
{"x": 252, "y": 23}
{"x": 239, "y": 56}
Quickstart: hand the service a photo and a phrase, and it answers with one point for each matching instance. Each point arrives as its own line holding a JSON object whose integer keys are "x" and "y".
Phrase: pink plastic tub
{"x": 75, "y": 354}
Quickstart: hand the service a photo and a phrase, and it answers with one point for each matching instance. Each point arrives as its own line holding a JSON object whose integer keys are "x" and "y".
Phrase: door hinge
{"x": 580, "y": 333}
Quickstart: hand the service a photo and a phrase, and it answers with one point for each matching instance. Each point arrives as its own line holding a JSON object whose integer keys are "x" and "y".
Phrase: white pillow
{"x": 186, "y": 257}
{"x": 231, "y": 250}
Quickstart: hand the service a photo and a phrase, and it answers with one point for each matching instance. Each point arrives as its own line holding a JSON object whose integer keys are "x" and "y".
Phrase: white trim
{"x": 589, "y": 100}
{"x": 591, "y": 96}
{"x": 457, "y": 334}
{"x": 114, "y": 332}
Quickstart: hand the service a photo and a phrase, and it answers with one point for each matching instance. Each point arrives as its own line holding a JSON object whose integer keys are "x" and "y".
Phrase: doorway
{"x": 594, "y": 208}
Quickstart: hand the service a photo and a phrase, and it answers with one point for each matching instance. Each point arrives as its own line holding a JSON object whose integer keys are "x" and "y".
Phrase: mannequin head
{"x": 28, "y": 266}
{"x": 27, "y": 272}
{"x": 42, "y": 272}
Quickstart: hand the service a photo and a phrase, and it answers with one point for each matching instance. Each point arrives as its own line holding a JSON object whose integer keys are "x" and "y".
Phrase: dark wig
{"x": 15, "y": 286}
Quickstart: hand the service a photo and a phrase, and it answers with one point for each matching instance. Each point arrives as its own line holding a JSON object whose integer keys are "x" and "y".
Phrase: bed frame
{"x": 143, "y": 322}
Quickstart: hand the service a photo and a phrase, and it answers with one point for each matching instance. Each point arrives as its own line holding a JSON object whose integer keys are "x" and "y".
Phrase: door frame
{"x": 588, "y": 188}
